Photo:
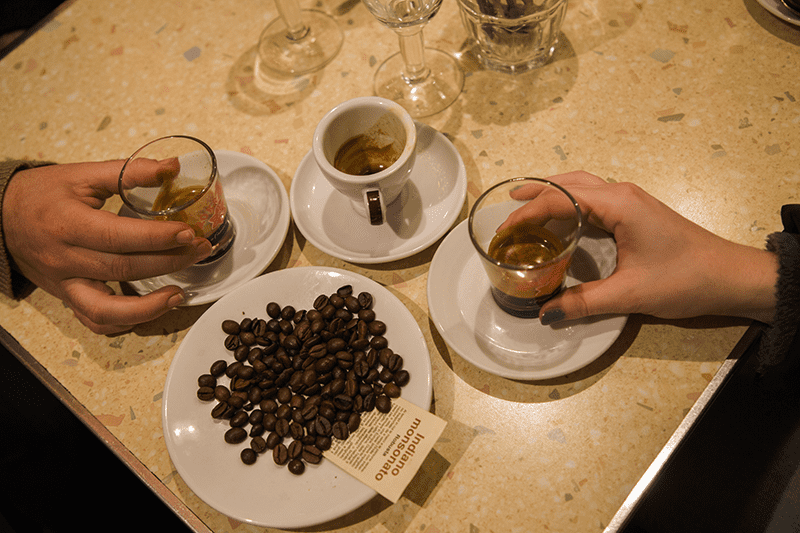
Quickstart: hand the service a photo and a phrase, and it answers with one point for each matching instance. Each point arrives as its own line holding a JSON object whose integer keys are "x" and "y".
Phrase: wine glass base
{"x": 425, "y": 97}
{"x": 279, "y": 51}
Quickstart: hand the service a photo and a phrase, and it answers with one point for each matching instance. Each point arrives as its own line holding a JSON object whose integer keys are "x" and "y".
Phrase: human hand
{"x": 63, "y": 242}
{"x": 667, "y": 266}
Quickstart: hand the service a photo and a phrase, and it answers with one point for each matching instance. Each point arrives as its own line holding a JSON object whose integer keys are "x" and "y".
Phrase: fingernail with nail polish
{"x": 551, "y": 316}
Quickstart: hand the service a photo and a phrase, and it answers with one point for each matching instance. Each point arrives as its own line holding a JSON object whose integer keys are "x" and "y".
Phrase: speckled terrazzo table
{"x": 694, "y": 101}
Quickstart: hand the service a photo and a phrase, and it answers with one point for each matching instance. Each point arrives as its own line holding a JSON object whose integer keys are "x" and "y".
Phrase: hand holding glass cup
{"x": 526, "y": 259}
{"x": 176, "y": 178}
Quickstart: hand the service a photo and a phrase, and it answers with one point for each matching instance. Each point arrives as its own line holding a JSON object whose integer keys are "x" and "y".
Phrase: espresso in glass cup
{"x": 176, "y": 178}
{"x": 526, "y": 261}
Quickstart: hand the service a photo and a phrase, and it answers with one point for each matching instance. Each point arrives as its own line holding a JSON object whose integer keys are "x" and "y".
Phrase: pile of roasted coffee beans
{"x": 303, "y": 377}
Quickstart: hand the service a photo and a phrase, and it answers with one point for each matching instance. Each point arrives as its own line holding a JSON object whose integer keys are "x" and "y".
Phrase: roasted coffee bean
{"x": 205, "y": 393}
{"x": 256, "y": 416}
{"x": 365, "y": 300}
{"x": 344, "y": 291}
{"x": 295, "y": 449}
{"x": 284, "y": 394}
{"x": 352, "y": 304}
{"x": 391, "y": 390}
{"x": 269, "y": 405}
{"x": 239, "y": 419}
{"x": 259, "y": 328}
{"x": 248, "y": 456}
{"x": 343, "y": 402}
{"x": 231, "y": 327}
{"x": 312, "y": 454}
{"x": 284, "y": 412}
{"x": 246, "y": 324}
{"x": 353, "y": 422}
{"x": 340, "y": 430}
{"x": 395, "y": 362}
{"x": 218, "y": 368}
{"x": 256, "y": 430}
{"x": 247, "y": 338}
{"x": 296, "y": 430}
{"x": 378, "y": 342}
{"x": 237, "y": 402}
{"x": 232, "y": 368}
{"x": 377, "y": 327}
{"x": 369, "y": 402}
{"x": 327, "y": 412}
{"x": 322, "y": 443}
{"x": 383, "y": 403}
{"x": 322, "y": 426}
{"x": 273, "y": 439}
{"x": 386, "y": 375}
{"x": 367, "y": 315}
{"x": 219, "y": 410}
{"x": 240, "y": 353}
{"x": 273, "y": 309}
{"x": 350, "y": 387}
{"x": 296, "y": 467}
{"x": 282, "y": 427}
{"x": 258, "y": 444}
{"x": 232, "y": 342}
{"x": 207, "y": 380}
{"x": 336, "y": 301}
{"x": 235, "y": 435}
{"x": 402, "y": 377}
{"x": 280, "y": 454}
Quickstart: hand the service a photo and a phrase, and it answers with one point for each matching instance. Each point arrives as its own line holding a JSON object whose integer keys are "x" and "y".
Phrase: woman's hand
{"x": 63, "y": 242}
{"x": 667, "y": 266}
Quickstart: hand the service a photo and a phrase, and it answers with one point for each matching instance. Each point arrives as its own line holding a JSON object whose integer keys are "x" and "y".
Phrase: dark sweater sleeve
{"x": 12, "y": 283}
{"x": 781, "y": 338}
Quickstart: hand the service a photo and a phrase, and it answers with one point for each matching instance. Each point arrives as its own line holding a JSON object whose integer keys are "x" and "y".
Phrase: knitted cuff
{"x": 12, "y": 283}
{"x": 778, "y": 339}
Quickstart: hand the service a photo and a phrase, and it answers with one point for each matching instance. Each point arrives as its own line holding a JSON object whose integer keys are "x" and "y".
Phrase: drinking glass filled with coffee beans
{"x": 525, "y": 231}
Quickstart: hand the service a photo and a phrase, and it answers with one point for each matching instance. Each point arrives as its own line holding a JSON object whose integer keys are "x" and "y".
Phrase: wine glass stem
{"x": 293, "y": 18}
{"x": 412, "y": 47}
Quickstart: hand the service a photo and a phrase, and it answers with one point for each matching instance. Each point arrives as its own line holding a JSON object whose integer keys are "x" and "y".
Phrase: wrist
{"x": 750, "y": 277}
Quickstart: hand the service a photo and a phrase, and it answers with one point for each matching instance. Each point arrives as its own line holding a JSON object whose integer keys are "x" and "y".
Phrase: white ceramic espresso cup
{"x": 385, "y": 124}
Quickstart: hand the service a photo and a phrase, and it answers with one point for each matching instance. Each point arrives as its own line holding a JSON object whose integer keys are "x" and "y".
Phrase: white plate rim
{"x": 238, "y": 302}
{"x": 308, "y": 171}
{"x": 777, "y": 8}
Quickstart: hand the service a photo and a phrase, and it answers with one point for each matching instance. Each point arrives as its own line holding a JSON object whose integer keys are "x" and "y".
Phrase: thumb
{"x": 586, "y": 299}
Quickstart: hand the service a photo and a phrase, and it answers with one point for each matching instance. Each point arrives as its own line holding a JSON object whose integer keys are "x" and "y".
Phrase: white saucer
{"x": 780, "y": 10}
{"x": 265, "y": 494}
{"x": 429, "y": 206}
{"x": 463, "y": 310}
{"x": 259, "y": 207}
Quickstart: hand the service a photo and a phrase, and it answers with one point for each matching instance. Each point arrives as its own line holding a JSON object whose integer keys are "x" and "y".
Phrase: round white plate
{"x": 780, "y": 10}
{"x": 259, "y": 208}
{"x": 469, "y": 320}
{"x": 264, "y": 494}
{"x": 429, "y": 205}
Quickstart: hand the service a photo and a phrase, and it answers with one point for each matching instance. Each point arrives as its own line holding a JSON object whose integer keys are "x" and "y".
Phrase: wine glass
{"x": 298, "y": 41}
{"x": 422, "y": 80}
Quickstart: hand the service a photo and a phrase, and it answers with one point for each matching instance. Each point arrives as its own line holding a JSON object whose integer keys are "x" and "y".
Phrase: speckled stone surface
{"x": 695, "y": 102}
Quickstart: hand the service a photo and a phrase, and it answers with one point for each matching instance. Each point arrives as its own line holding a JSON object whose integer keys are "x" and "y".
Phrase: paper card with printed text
{"x": 388, "y": 449}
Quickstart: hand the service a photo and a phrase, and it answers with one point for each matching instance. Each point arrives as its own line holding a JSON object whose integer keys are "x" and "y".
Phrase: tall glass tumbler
{"x": 527, "y": 261}
{"x": 176, "y": 178}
